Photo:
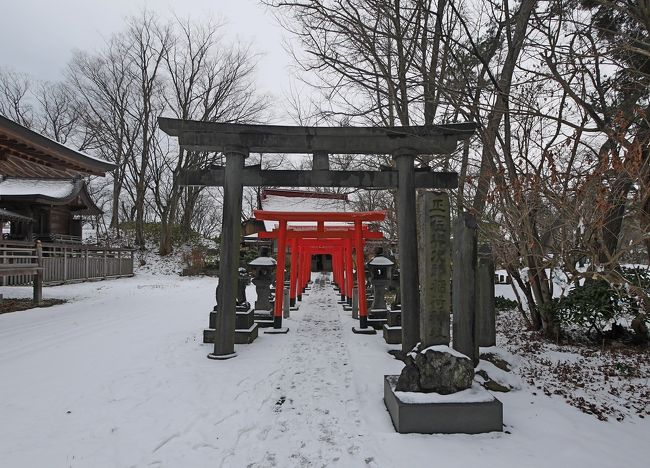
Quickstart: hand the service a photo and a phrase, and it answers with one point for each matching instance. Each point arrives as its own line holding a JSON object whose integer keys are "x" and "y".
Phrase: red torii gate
{"x": 336, "y": 240}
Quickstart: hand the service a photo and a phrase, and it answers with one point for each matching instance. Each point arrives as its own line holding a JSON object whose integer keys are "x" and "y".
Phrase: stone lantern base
{"x": 377, "y": 318}
{"x": 393, "y": 327}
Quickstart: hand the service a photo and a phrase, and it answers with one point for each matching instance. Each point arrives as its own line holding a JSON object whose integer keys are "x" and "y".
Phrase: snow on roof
{"x": 263, "y": 261}
{"x": 53, "y": 188}
{"x": 380, "y": 260}
{"x": 296, "y": 200}
{"x": 11, "y": 216}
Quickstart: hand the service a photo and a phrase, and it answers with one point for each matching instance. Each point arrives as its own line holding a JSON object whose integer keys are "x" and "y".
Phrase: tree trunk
{"x": 501, "y": 105}
{"x": 168, "y": 220}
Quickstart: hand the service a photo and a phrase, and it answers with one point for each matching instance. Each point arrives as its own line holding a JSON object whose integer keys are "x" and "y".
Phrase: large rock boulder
{"x": 438, "y": 369}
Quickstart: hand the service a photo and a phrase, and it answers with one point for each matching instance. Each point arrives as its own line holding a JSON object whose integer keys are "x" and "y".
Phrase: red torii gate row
{"x": 336, "y": 241}
{"x": 322, "y": 240}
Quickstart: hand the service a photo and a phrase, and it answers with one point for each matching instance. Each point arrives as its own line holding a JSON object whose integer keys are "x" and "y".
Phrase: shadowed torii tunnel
{"x": 339, "y": 241}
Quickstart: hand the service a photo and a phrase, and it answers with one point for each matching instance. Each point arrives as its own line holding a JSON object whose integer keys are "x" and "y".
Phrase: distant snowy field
{"x": 118, "y": 377}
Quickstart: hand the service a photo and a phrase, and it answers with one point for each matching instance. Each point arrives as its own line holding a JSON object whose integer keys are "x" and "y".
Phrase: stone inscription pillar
{"x": 464, "y": 287}
{"x": 435, "y": 269}
{"x": 485, "y": 310}
{"x": 408, "y": 248}
{"x": 224, "y": 341}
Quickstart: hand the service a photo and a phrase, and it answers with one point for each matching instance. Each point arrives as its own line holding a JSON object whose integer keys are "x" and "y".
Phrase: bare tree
{"x": 208, "y": 80}
{"x": 15, "y": 102}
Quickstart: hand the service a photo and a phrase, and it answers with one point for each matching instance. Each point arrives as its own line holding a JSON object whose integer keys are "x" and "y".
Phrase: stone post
{"x": 38, "y": 276}
{"x": 435, "y": 269}
{"x": 408, "y": 248}
{"x": 355, "y": 303}
{"x": 485, "y": 309}
{"x": 224, "y": 342}
{"x": 464, "y": 287}
{"x": 285, "y": 304}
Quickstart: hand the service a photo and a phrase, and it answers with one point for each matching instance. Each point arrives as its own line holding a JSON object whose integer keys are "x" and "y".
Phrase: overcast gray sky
{"x": 38, "y": 36}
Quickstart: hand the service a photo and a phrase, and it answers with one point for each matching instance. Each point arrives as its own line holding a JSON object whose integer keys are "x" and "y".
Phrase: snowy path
{"x": 311, "y": 413}
{"x": 118, "y": 377}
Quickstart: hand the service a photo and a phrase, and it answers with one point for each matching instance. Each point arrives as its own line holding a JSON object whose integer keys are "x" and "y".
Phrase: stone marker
{"x": 485, "y": 310}
{"x": 464, "y": 287}
{"x": 355, "y": 303}
{"x": 435, "y": 269}
{"x": 285, "y": 304}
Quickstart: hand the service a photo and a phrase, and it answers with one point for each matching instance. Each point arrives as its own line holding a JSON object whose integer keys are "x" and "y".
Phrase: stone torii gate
{"x": 237, "y": 141}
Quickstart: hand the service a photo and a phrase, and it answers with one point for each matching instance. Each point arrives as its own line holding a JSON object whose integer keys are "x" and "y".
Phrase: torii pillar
{"x": 408, "y": 247}
{"x": 224, "y": 339}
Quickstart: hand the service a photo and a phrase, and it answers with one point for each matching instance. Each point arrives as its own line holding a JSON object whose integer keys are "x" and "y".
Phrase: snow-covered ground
{"x": 118, "y": 377}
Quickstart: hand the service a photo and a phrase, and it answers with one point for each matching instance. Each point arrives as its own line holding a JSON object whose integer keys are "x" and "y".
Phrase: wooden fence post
{"x": 38, "y": 277}
{"x": 105, "y": 261}
{"x": 65, "y": 264}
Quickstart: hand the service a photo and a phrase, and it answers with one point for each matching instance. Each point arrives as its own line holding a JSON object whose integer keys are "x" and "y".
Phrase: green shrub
{"x": 503, "y": 303}
{"x": 596, "y": 303}
{"x": 593, "y": 305}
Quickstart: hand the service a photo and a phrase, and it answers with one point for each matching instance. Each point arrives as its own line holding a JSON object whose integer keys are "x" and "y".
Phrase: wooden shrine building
{"x": 43, "y": 194}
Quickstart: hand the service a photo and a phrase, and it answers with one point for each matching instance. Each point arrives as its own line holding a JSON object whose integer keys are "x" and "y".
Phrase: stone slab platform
{"x": 376, "y": 323}
{"x": 242, "y": 336}
{"x": 392, "y": 335}
{"x": 461, "y": 417}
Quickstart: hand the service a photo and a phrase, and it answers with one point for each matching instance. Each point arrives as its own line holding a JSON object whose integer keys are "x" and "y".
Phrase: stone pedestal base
{"x": 263, "y": 318}
{"x": 276, "y": 331}
{"x": 394, "y": 318}
{"x": 377, "y": 318}
{"x": 447, "y": 414}
{"x": 242, "y": 336}
{"x": 364, "y": 331}
{"x": 246, "y": 336}
{"x": 244, "y": 319}
{"x": 392, "y": 335}
{"x": 245, "y": 327}
{"x": 245, "y": 307}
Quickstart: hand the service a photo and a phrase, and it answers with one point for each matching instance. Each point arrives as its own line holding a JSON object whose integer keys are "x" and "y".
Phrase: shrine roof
{"x": 26, "y": 153}
{"x": 303, "y": 200}
{"x": 72, "y": 192}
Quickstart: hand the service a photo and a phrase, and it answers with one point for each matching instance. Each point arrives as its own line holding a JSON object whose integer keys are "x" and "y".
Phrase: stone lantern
{"x": 380, "y": 276}
{"x": 393, "y": 327}
{"x": 263, "y": 270}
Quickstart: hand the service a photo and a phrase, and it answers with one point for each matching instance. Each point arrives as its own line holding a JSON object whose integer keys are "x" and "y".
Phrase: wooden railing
{"x": 66, "y": 263}
{"x": 24, "y": 262}
{"x": 60, "y": 238}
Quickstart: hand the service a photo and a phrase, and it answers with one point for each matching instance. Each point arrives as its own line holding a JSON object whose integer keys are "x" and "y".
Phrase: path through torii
{"x": 237, "y": 141}
{"x": 339, "y": 242}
